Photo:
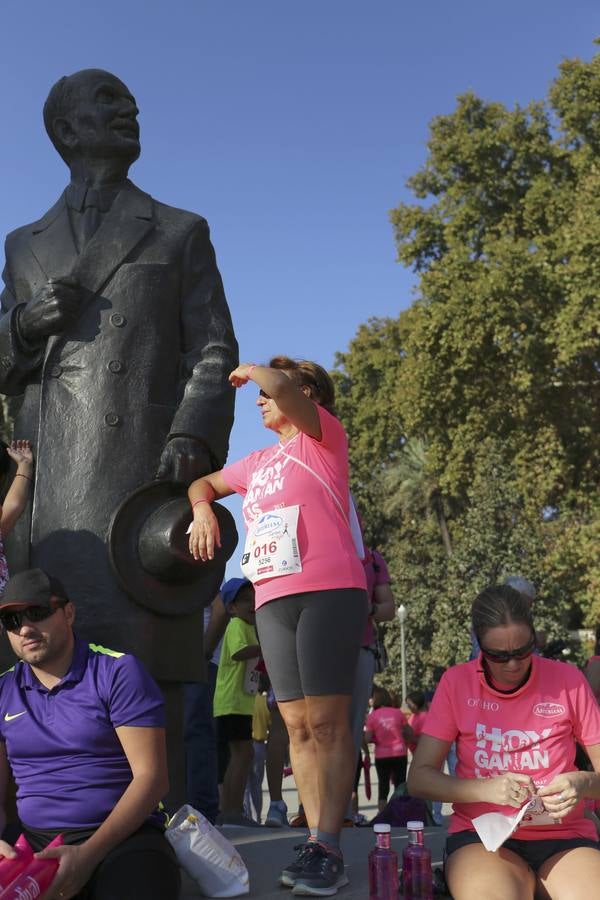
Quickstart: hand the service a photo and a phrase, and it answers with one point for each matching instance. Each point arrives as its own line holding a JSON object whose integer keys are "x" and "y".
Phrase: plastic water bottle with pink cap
{"x": 383, "y": 866}
{"x": 416, "y": 865}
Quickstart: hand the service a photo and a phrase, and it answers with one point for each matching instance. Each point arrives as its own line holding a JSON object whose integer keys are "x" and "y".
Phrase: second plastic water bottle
{"x": 416, "y": 865}
{"x": 383, "y": 867}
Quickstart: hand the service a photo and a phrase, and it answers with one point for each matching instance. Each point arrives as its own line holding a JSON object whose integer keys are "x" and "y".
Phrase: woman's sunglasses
{"x": 264, "y": 394}
{"x": 503, "y": 656}
{"x": 12, "y": 620}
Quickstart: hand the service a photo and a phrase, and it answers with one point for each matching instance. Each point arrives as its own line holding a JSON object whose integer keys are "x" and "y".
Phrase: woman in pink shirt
{"x": 311, "y": 601}
{"x": 387, "y": 727}
{"x": 515, "y": 718}
{"x": 417, "y": 704}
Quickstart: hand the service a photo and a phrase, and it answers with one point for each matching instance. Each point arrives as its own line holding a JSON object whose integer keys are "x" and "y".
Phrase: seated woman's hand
{"x": 563, "y": 793}
{"x": 510, "y": 789}
{"x": 205, "y": 534}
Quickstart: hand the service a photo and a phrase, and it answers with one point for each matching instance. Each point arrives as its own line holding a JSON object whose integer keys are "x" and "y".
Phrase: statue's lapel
{"x": 52, "y": 241}
{"x": 122, "y": 229}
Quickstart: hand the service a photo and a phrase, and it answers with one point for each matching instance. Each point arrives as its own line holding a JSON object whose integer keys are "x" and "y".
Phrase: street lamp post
{"x": 402, "y": 613}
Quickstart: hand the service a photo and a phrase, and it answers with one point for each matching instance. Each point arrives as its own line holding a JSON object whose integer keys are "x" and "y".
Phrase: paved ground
{"x": 267, "y": 850}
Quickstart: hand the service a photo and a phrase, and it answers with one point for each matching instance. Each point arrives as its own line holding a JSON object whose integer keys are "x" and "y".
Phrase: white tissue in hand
{"x": 494, "y": 828}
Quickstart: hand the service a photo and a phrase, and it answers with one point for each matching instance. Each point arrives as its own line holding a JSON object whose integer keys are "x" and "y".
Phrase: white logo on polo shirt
{"x": 9, "y": 718}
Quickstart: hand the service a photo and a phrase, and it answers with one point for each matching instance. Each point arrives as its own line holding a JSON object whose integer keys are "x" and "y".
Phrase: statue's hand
{"x": 183, "y": 460}
{"x": 51, "y": 310}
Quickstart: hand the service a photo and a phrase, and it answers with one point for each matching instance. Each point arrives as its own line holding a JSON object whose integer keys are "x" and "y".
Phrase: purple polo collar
{"x": 26, "y": 679}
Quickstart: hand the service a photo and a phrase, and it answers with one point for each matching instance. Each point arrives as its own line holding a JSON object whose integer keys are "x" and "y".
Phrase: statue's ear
{"x": 64, "y": 132}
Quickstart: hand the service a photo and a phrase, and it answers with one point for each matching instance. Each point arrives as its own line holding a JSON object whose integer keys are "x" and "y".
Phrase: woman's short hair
{"x": 498, "y": 605}
{"x": 381, "y": 697}
{"x": 417, "y": 698}
{"x": 311, "y": 375}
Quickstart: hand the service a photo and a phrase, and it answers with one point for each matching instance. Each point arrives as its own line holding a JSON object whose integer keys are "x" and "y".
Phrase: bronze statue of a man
{"x": 116, "y": 334}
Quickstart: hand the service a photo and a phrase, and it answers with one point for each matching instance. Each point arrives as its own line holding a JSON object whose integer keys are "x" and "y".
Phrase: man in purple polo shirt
{"x": 82, "y": 729}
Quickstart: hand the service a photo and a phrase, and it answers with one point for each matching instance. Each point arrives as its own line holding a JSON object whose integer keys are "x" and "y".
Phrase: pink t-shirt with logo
{"x": 275, "y": 477}
{"x": 386, "y": 724}
{"x": 532, "y": 731}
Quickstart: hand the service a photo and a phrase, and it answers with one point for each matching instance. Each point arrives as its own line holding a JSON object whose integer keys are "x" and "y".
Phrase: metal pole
{"x": 402, "y": 617}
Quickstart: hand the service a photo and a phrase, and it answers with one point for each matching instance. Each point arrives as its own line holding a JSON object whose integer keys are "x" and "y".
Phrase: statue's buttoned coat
{"x": 147, "y": 358}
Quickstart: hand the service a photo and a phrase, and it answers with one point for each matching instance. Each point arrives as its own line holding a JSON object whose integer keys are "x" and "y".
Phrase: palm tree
{"x": 409, "y": 486}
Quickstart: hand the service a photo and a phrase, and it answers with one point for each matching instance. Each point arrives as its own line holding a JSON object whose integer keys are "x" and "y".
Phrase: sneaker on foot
{"x": 322, "y": 874}
{"x": 291, "y": 872}
{"x": 277, "y": 815}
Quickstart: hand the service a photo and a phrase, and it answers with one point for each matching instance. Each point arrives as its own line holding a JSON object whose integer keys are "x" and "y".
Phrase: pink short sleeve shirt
{"x": 277, "y": 477}
{"x": 532, "y": 731}
{"x": 386, "y": 724}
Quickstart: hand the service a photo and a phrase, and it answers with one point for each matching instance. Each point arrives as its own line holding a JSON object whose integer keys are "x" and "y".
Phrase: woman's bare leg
{"x": 570, "y": 875}
{"x": 329, "y": 723}
{"x": 303, "y": 756}
{"x": 472, "y": 873}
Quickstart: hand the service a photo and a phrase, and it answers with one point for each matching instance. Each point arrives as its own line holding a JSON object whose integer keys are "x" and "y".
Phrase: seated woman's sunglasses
{"x": 503, "y": 656}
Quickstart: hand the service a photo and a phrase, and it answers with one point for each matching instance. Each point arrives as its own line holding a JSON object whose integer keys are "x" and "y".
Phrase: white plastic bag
{"x": 206, "y": 855}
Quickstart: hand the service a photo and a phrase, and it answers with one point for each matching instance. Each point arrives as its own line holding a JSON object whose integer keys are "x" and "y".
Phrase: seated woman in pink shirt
{"x": 311, "y": 601}
{"x": 387, "y": 727}
{"x": 516, "y": 719}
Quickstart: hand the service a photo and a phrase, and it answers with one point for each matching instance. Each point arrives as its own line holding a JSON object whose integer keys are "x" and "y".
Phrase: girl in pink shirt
{"x": 515, "y": 718}
{"x": 387, "y": 727}
{"x": 311, "y": 601}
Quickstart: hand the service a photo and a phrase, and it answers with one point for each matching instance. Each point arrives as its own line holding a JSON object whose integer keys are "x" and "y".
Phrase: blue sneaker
{"x": 322, "y": 874}
{"x": 277, "y": 815}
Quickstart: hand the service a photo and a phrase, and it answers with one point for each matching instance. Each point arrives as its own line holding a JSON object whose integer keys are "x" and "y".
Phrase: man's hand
{"x": 52, "y": 309}
{"x": 183, "y": 460}
{"x": 74, "y": 870}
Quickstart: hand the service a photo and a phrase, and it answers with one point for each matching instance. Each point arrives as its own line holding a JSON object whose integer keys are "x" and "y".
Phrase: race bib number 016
{"x": 271, "y": 548}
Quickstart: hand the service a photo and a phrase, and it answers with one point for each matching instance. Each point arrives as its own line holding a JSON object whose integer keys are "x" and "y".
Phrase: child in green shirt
{"x": 234, "y": 696}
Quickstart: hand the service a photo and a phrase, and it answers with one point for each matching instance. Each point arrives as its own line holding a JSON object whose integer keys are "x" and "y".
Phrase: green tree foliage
{"x": 474, "y": 417}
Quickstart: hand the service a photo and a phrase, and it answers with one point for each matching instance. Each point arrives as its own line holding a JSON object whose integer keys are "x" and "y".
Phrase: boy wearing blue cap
{"x": 234, "y": 696}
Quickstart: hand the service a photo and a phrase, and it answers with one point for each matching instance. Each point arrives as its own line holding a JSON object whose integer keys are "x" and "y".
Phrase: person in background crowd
{"x": 200, "y": 734}
{"x": 302, "y": 554}
{"x": 592, "y": 667}
{"x": 382, "y": 608}
{"x": 515, "y": 718}
{"x": 17, "y": 495}
{"x": 234, "y": 697}
{"x": 277, "y": 750}
{"x": 387, "y": 727}
{"x": 418, "y": 713}
{"x": 261, "y": 720}
{"x": 82, "y": 730}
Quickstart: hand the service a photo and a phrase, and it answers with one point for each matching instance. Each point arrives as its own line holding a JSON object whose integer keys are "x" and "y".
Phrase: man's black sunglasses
{"x": 264, "y": 394}
{"x": 11, "y": 620}
{"x": 503, "y": 656}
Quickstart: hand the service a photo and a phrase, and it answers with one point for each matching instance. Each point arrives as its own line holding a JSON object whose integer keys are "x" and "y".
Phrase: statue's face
{"x": 102, "y": 121}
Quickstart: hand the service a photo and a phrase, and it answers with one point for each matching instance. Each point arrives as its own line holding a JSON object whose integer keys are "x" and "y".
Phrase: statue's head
{"x": 91, "y": 114}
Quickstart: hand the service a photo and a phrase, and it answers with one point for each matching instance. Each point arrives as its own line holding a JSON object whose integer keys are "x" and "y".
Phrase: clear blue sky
{"x": 291, "y": 126}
